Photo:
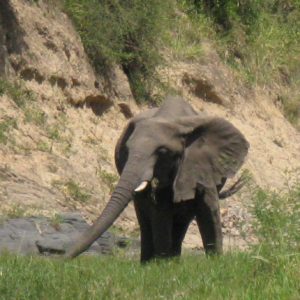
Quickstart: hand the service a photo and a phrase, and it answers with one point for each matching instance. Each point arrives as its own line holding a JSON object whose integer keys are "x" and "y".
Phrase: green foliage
{"x": 76, "y": 192}
{"x": 109, "y": 179}
{"x": 261, "y": 37}
{"x": 129, "y": 33}
{"x": 56, "y": 220}
{"x": 16, "y": 91}
{"x": 187, "y": 34}
{"x": 278, "y": 222}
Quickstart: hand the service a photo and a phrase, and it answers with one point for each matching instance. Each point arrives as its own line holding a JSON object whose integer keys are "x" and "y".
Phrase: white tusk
{"x": 142, "y": 186}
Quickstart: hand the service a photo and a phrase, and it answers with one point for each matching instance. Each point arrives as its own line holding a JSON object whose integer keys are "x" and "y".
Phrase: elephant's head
{"x": 178, "y": 148}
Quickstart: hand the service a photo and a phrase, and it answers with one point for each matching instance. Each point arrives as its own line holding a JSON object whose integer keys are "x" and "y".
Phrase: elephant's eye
{"x": 163, "y": 150}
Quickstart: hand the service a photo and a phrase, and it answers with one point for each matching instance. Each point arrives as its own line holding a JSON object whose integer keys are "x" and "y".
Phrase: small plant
{"x": 53, "y": 133}
{"x": 43, "y": 146}
{"x": 16, "y": 91}
{"x": 76, "y": 192}
{"x": 5, "y": 126}
{"x": 72, "y": 190}
{"x": 14, "y": 212}
{"x": 35, "y": 116}
{"x": 55, "y": 221}
{"x": 109, "y": 179}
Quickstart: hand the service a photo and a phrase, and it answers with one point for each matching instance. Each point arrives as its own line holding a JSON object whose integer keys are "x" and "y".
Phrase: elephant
{"x": 173, "y": 162}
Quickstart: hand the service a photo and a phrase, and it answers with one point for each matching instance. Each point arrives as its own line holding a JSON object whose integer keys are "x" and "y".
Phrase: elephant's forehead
{"x": 155, "y": 127}
{"x": 152, "y": 134}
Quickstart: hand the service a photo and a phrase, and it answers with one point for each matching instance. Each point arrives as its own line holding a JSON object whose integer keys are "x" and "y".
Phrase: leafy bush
{"x": 128, "y": 32}
{"x": 278, "y": 222}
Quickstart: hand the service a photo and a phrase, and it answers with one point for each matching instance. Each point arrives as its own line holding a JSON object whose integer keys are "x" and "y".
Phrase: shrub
{"x": 278, "y": 222}
{"x": 129, "y": 33}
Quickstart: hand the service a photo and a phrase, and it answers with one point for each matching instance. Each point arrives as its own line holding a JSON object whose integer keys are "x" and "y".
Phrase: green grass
{"x": 232, "y": 276}
{"x": 269, "y": 270}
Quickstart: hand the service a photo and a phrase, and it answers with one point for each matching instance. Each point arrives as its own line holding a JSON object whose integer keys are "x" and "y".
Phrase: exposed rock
{"x": 204, "y": 89}
{"x": 40, "y": 235}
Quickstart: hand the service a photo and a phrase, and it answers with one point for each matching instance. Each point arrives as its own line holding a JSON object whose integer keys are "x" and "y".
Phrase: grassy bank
{"x": 259, "y": 39}
{"x": 232, "y": 276}
{"x": 270, "y": 270}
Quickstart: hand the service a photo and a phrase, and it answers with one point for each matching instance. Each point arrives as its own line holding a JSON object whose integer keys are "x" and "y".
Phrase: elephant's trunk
{"x": 117, "y": 203}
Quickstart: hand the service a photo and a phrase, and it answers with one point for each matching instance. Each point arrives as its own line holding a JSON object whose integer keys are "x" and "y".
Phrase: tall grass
{"x": 232, "y": 276}
{"x": 270, "y": 270}
{"x": 260, "y": 39}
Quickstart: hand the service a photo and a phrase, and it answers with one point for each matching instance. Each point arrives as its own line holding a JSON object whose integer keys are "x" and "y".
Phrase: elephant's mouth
{"x": 155, "y": 184}
{"x": 158, "y": 176}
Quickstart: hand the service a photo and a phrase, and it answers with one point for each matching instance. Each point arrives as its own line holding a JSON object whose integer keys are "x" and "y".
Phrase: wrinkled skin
{"x": 173, "y": 162}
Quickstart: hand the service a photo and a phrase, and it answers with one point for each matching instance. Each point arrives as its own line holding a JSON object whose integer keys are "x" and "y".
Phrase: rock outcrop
{"x": 44, "y": 236}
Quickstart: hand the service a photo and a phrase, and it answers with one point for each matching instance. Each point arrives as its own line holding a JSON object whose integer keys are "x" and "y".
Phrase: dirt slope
{"x": 57, "y": 154}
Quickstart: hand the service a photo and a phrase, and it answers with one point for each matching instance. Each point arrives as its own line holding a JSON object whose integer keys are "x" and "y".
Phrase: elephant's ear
{"x": 214, "y": 150}
{"x": 121, "y": 151}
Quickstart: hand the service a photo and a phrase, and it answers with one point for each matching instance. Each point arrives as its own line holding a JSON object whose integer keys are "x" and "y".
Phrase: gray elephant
{"x": 173, "y": 162}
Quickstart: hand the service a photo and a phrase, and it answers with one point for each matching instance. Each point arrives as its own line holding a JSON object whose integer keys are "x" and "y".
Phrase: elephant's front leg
{"x": 143, "y": 216}
{"x": 209, "y": 220}
{"x": 162, "y": 232}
